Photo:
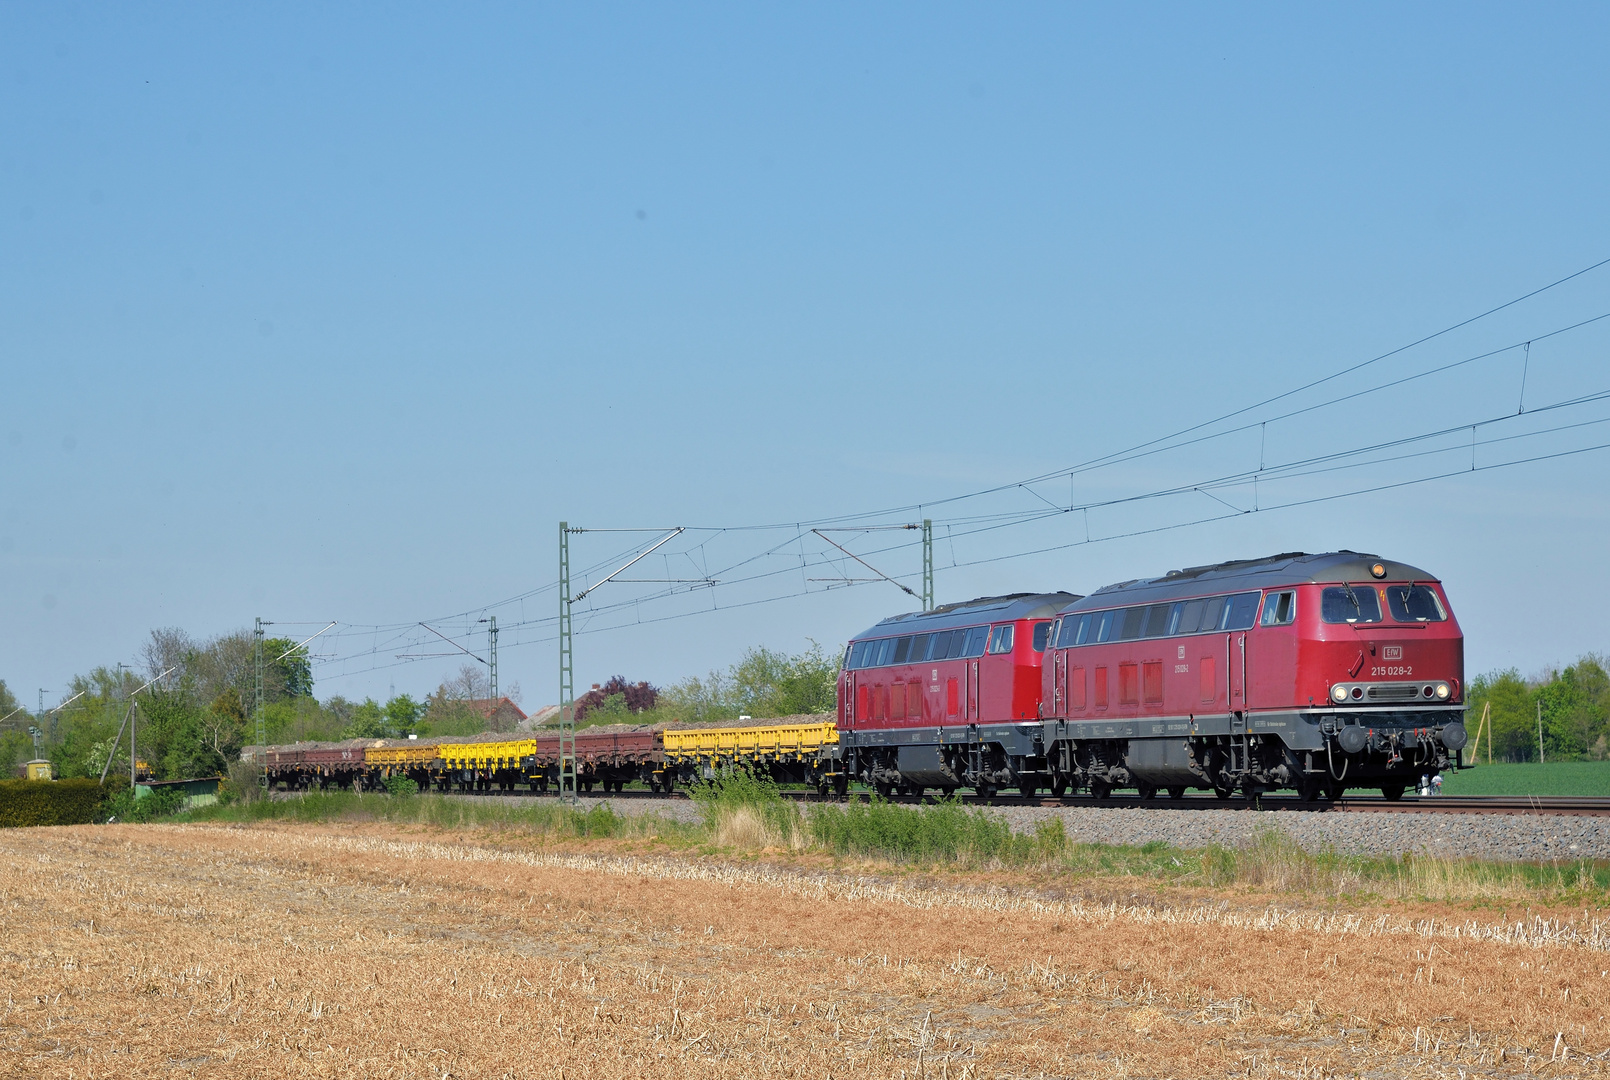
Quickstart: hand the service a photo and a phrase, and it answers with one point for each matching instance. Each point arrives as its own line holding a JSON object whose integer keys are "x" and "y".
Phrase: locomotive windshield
{"x": 1414, "y": 603}
{"x": 1347, "y": 604}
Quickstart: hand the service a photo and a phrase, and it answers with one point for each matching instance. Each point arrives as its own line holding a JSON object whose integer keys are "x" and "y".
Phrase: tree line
{"x": 1567, "y": 708}
{"x": 196, "y": 719}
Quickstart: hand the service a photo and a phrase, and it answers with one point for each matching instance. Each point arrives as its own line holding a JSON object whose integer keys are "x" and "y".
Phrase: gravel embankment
{"x": 1488, "y": 836}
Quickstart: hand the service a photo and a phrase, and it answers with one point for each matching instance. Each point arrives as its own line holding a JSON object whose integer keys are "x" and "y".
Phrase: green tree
{"x": 1512, "y": 713}
{"x": 368, "y": 722}
{"x": 764, "y": 683}
{"x": 402, "y": 714}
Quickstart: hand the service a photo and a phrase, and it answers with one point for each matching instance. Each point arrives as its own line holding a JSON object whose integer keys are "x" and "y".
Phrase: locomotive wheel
{"x": 1392, "y": 792}
{"x": 1147, "y": 792}
{"x": 1100, "y": 789}
{"x": 1177, "y": 791}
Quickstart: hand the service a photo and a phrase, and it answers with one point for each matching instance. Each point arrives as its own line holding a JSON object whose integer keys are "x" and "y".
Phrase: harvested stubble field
{"x": 381, "y": 950}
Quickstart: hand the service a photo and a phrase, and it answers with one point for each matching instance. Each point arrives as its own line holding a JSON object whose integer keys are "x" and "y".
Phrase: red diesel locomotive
{"x": 926, "y": 699}
{"x": 1310, "y": 672}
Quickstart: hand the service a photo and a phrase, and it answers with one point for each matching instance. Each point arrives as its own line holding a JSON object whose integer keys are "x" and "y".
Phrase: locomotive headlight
{"x": 1443, "y": 691}
{"x": 1338, "y": 693}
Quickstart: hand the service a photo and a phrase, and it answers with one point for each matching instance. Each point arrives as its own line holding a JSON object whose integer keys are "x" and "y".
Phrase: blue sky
{"x": 332, "y": 312}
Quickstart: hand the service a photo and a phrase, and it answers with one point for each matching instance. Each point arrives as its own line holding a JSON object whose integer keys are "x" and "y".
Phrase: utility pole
{"x": 492, "y": 658}
{"x": 927, "y": 564}
{"x": 567, "y": 677}
{"x": 567, "y": 685}
{"x": 1540, "y": 731}
{"x": 257, "y": 705}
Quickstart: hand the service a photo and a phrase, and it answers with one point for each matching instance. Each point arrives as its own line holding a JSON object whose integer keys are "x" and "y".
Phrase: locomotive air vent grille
{"x": 1393, "y": 692}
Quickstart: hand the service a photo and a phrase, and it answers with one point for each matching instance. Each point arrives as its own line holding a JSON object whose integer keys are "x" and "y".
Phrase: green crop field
{"x": 1530, "y": 778}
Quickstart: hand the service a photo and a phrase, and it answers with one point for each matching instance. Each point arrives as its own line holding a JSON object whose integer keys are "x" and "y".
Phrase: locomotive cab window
{"x": 1000, "y": 640}
{"x": 1414, "y": 603}
{"x": 1042, "y": 631}
{"x": 1240, "y": 611}
{"x": 1279, "y": 608}
{"x": 1349, "y": 604}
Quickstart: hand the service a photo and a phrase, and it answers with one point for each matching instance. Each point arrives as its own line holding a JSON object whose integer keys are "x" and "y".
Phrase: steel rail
{"x": 1555, "y": 805}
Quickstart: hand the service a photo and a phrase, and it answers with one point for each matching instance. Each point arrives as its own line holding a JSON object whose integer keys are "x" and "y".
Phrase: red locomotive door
{"x": 972, "y": 690}
{"x": 1059, "y": 683}
{"x": 1235, "y": 671}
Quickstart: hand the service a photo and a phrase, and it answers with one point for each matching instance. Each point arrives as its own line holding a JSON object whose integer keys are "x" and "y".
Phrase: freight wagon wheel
{"x": 1392, "y": 792}
{"x": 1059, "y": 788}
{"x": 883, "y": 790}
{"x": 1100, "y": 789}
{"x": 841, "y": 785}
{"x": 1147, "y": 792}
{"x": 1223, "y": 793}
{"x": 1177, "y": 791}
{"x": 1335, "y": 790}
{"x": 1028, "y": 788}
{"x": 1308, "y": 789}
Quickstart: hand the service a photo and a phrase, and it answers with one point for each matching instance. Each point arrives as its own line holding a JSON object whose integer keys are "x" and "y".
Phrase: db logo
{"x": 1392, "y": 652}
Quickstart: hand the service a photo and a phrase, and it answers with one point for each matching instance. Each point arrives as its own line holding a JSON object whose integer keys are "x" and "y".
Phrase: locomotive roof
{"x": 985, "y": 609}
{"x": 1290, "y": 568}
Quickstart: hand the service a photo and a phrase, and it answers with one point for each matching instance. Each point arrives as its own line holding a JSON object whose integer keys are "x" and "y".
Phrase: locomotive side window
{"x": 1414, "y": 603}
{"x": 902, "y": 650}
{"x": 885, "y": 652}
{"x": 1109, "y": 625}
{"x": 1279, "y": 609}
{"x": 1240, "y": 611}
{"x": 858, "y": 654}
{"x": 1190, "y": 617}
{"x": 977, "y": 637}
{"x": 919, "y": 648}
{"x": 1073, "y": 630}
{"x": 1132, "y": 620}
{"x": 1212, "y": 610}
{"x": 1042, "y": 631}
{"x": 1347, "y": 604}
{"x": 1156, "y": 624}
{"x": 1000, "y": 640}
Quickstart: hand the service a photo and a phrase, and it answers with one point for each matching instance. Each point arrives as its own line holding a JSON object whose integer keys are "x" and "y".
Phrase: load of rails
{"x": 608, "y": 758}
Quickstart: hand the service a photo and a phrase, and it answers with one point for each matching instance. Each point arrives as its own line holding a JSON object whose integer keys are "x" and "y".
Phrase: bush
{"x": 401, "y": 785}
{"x": 124, "y": 807}
{"x": 41, "y": 802}
{"x": 945, "y": 831}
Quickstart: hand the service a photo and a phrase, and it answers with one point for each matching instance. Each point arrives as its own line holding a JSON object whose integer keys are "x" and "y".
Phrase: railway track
{"x": 1353, "y": 804}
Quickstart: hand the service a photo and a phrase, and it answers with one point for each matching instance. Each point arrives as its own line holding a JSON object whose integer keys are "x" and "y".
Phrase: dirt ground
{"x": 382, "y": 951}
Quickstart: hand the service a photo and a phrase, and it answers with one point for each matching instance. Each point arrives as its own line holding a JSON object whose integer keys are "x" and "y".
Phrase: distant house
{"x": 500, "y": 714}
{"x": 547, "y": 714}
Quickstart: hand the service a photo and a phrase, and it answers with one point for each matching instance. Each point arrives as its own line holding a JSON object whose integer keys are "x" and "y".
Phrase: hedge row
{"x": 41, "y": 802}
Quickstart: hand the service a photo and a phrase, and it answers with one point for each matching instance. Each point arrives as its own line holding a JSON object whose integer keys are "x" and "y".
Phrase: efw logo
{"x": 1392, "y": 652}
